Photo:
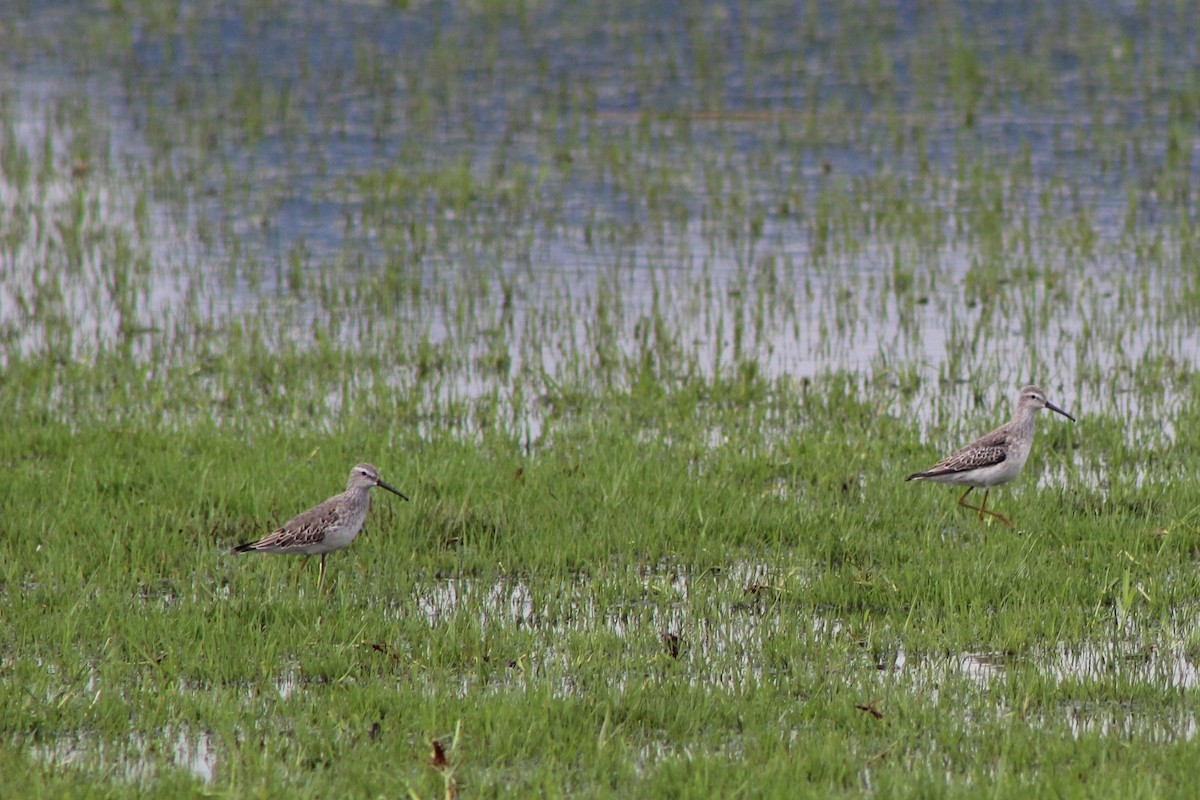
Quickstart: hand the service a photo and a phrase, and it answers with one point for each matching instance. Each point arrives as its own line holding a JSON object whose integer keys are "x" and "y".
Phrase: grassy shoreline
{"x": 673, "y": 611}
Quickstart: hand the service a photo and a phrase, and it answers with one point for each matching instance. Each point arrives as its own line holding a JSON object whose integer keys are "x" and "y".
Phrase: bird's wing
{"x": 306, "y": 528}
{"x": 986, "y": 451}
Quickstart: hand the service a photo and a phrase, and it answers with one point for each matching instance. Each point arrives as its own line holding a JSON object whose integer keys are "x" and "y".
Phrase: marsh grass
{"x": 649, "y": 325}
{"x": 530, "y": 603}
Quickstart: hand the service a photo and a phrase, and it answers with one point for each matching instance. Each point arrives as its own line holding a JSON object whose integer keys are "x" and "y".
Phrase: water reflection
{"x": 734, "y": 629}
{"x": 135, "y": 759}
{"x": 521, "y": 214}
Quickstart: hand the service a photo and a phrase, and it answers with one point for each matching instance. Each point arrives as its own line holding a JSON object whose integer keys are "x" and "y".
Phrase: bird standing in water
{"x": 330, "y": 526}
{"x": 995, "y": 458}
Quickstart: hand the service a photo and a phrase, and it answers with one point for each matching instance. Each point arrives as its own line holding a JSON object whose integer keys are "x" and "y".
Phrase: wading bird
{"x": 329, "y": 526}
{"x": 995, "y": 458}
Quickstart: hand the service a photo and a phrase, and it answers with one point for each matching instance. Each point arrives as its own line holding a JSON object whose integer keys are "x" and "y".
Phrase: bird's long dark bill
{"x": 401, "y": 495}
{"x": 1053, "y": 407}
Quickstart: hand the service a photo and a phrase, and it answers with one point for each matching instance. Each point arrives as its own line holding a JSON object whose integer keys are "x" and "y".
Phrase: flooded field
{"x": 650, "y": 310}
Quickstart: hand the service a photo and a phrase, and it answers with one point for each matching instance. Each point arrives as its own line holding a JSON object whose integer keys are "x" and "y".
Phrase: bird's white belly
{"x": 986, "y": 477}
{"x": 993, "y": 475}
{"x": 334, "y": 539}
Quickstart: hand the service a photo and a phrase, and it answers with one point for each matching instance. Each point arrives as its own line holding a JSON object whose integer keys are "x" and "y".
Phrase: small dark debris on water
{"x": 439, "y": 760}
{"x": 872, "y": 710}
{"x": 386, "y": 649}
{"x": 673, "y": 642}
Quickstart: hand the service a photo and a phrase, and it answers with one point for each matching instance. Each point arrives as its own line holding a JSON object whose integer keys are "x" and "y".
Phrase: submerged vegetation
{"x": 649, "y": 311}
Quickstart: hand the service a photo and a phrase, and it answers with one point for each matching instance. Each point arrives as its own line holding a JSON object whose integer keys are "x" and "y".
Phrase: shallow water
{"x": 725, "y": 639}
{"x": 546, "y": 200}
{"x": 136, "y": 760}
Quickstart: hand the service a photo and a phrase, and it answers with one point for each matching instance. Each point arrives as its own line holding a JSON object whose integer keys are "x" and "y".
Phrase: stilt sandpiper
{"x": 995, "y": 458}
{"x": 329, "y": 526}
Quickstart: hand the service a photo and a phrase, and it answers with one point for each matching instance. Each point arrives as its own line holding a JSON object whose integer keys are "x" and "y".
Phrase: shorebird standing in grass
{"x": 995, "y": 458}
{"x": 329, "y": 526}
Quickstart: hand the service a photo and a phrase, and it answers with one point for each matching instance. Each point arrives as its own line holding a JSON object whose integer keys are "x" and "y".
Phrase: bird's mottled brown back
{"x": 309, "y": 527}
{"x": 986, "y": 451}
